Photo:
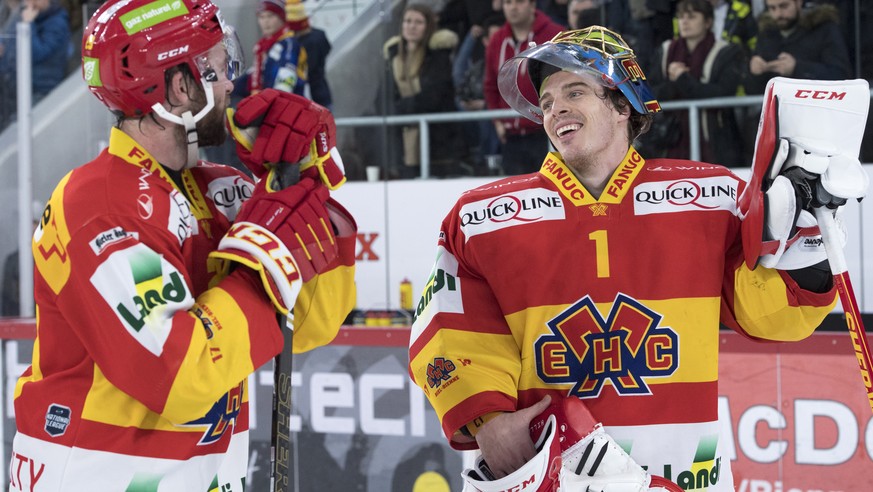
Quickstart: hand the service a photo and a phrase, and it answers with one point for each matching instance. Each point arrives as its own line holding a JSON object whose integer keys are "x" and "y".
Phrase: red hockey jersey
{"x": 144, "y": 346}
{"x": 540, "y": 288}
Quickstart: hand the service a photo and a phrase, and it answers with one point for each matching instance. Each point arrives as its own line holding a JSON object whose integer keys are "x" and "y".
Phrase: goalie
{"x": 569, "y": 330}
{"x": 159, "y": 277}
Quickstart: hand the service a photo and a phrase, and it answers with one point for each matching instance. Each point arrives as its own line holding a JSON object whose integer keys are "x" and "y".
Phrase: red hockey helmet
{"x": 129, "y": 44}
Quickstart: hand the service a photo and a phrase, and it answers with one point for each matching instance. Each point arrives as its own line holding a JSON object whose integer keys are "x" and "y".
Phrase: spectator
{"x": 420, "y": 64}
{"x": 583, "y": 13}
{"x": 468, "y": 71}
{"x": 523, "y": 142}
{"x": 798, "y": 44}
{"x": 733, "y": 21}
{"x": 279, "y": 61}
{"x": 314, "y": 41}
{"x": 9, "y": 13}
{"x": 696, "y": 65}
{"x": 11, "y": 291}
{"x": 50, "y": 46}
{"x": 555, "y": 9}
{"x": 461, "y": 15}
{"x": 645, "y": 24}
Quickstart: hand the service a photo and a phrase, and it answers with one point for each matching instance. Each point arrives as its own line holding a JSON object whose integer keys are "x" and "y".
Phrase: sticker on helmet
{"x": 91, "y": 71}
{"x": 152, "y": 14}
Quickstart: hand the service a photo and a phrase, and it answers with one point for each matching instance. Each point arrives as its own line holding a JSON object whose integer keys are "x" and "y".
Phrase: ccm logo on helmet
{"x": 173, "y": 52}
{"x": 829, "y": 95}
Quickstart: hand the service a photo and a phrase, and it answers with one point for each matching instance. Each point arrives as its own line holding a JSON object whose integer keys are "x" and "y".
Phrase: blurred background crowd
{"x": 443, "y": 56}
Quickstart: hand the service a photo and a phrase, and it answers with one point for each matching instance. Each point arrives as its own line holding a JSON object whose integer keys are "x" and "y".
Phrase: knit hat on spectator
{"x": 275, "y": 6}
{"x": 295, "y": 15}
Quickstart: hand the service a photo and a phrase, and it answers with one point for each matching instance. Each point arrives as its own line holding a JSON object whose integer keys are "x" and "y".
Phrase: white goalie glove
{"x": 813, "y": 174}
{"x": 806, "y": 157}
{"x": 574, "y": 454}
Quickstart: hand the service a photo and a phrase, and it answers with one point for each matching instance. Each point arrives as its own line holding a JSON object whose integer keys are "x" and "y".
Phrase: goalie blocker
{"x": 574, "y": 454}
{"x": 806, "y": 157}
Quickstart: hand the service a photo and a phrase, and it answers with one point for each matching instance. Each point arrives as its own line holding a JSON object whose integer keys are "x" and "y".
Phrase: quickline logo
{"x": 704, "y": 472}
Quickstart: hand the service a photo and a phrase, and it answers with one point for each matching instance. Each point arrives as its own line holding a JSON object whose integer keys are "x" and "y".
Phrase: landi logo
{"x": 142, "y": 288}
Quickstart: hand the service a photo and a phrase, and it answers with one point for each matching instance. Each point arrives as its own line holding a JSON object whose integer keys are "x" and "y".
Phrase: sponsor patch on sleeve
{"x": 442, "y": 294}
{"x": 57, "y": 419}
{"x": 143, "y": 290}
{"x": 109, "y": 237}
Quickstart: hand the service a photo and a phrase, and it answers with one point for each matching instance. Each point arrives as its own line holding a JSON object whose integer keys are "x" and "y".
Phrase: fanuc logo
{"x": 704, "y": 194}
{"x": 511, "y": 209}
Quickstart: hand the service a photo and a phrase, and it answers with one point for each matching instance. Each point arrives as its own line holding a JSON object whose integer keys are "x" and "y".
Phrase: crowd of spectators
{"x": 690, "y": 49}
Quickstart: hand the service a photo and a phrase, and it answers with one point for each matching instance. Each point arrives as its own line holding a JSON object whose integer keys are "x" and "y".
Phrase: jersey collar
{"x": 123, "y": 146}
{"x": 568, "y": 184}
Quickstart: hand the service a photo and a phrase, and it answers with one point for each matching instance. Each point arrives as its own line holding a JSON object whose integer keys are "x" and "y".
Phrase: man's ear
{"x": 178, "y": 90}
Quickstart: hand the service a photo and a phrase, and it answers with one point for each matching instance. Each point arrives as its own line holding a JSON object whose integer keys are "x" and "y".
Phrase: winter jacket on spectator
{"x": 427, "y": 88}
{"x": 816, "y": 44}
{"x": 720, "y": 74}
{"x": 51, "y": 49}
{"x": 502, "y": 47}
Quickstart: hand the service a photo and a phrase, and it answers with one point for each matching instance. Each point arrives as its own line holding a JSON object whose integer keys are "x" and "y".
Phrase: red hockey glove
{"x": 324, "y": 157}
{"x": 285, "y": 235}
{"x": 274, "y": 126}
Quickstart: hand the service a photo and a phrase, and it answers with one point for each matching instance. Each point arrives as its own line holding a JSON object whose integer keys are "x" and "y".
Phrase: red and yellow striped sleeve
{"x": 462, "y": 353}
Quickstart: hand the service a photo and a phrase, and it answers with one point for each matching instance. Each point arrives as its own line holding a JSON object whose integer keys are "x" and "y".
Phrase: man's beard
{"x": 210, "y": 129}
{"x": 786, "y": 24}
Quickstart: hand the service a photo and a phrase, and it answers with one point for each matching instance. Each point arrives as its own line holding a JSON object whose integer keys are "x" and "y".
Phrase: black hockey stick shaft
{"x": 280, "y": 437}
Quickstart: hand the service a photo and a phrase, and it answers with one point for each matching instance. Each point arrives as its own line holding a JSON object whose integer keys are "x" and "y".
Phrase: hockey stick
{"x": 837, "y": 260}
{"x": 280, "y": 435}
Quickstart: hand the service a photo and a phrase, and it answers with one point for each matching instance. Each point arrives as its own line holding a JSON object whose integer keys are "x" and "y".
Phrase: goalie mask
{"x": 594, "y": 50}
{"x": 129, "y": 44}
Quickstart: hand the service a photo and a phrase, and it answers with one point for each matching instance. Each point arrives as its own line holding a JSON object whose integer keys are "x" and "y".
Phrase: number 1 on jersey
{"x": 601, "y": 247}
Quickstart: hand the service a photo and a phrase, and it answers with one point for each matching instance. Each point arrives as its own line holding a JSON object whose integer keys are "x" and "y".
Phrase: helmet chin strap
{"x": 189, "y": 121}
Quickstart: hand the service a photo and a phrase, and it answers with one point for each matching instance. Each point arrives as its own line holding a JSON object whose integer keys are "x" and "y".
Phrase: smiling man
{"x": 581, "y": 304}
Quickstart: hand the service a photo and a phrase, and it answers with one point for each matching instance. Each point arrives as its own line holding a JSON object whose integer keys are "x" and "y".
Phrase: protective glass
{"x": 212, "y": 70}
{"x": 594, "y": 50}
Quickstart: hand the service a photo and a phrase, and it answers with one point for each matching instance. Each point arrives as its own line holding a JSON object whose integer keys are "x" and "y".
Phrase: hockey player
{"x": 602, "y": 279}
{"x": 159, "y": 277}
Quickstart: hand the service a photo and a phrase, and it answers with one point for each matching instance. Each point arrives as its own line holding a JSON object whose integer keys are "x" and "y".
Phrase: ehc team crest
{"x": 625, "y": 348}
